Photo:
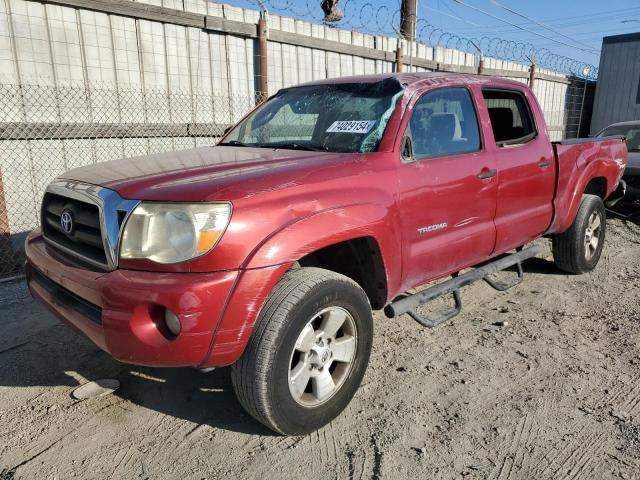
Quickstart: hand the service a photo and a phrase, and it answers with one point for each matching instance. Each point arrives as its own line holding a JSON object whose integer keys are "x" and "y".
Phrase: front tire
{"x": 308, "y": 352}
{"x": 578, "y": 249}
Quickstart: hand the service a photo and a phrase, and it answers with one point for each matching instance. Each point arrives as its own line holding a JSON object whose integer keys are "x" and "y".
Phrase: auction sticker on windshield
{"x": 351, "y": 126}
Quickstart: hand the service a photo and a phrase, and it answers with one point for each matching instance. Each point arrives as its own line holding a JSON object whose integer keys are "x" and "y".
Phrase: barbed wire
{"x": 362, "y": 15}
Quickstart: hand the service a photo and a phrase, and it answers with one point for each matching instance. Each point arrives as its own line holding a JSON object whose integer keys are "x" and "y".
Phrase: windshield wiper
{"x": 234, "y": 143}
{"x": 290, "y": 146}
{"x": 294, "y": 146}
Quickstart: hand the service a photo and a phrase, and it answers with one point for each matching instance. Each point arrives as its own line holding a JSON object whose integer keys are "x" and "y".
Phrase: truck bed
{"x": 573, "y": 158}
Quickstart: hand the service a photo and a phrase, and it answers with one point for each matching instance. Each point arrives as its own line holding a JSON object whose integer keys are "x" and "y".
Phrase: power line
{"x": 586, "y": 28}
{"x": 525, "y": 29}
{"x": 589, "y": 36}
{"x": 585, "y": 35}
{"x": 455, "y": 17}
{"x": 571, "y": 19}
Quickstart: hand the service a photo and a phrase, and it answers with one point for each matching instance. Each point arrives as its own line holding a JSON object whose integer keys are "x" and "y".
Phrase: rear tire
{"x": 578, "y": 249}
{"x": 308, "y": 352}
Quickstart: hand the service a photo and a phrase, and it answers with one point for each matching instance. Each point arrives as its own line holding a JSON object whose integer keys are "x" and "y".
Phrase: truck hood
{"x": 207, "y": 173}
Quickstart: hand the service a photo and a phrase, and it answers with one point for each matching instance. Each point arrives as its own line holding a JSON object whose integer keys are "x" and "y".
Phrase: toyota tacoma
{"x": 268, "y": 251}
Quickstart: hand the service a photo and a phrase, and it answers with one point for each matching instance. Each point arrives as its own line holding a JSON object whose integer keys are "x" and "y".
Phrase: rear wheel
{"x": 578, "y": 249}
{"x": 308, "y": 352}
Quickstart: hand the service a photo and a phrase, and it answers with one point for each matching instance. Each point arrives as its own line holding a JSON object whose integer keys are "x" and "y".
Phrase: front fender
{"x": 278, "y": 252}
{"x": 328, "y": 227}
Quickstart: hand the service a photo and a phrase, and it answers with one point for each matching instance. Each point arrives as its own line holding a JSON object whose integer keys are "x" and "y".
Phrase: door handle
{"x": 544, "y": 163}
{"x": 486, "y": 173}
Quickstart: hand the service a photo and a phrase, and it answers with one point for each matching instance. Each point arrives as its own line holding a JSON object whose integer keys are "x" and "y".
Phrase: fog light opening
{"x": 172, "y": 322}
{"x": 167, "y": 322}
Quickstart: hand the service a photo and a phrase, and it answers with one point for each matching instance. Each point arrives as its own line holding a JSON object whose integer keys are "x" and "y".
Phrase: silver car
{"x": 631, "y": 131}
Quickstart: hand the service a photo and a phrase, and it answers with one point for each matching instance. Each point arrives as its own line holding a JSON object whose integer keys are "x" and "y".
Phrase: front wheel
{"x": 308, "y": 352}
{"x": 578, "y": 249}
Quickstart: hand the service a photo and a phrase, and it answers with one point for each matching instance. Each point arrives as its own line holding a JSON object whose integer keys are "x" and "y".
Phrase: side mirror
{"x": 406, "y": 150}
{"x": 227, "y": 130}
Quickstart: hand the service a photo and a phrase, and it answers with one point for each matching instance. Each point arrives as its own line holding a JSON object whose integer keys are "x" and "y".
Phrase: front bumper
{"x": 115, "y": 309}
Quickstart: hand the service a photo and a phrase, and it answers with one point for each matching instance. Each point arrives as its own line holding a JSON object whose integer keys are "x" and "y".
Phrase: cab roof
{"x": 419, "y": 79}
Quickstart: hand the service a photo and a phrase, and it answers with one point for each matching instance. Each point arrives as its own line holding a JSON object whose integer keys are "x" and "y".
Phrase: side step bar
{"x": 410, "y": 303}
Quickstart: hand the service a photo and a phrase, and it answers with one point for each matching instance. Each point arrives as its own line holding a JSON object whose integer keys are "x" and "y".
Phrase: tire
{"x": 574, "y": 251}
{"x": 281, "y": 351}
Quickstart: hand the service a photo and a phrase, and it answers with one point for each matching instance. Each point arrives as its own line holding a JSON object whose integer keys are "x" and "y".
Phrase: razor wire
{"x": 362, "y": 15}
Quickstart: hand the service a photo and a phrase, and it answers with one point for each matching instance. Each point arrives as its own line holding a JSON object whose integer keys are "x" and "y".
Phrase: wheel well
{"x": 359, "y": 259}
{"x": 597, "y": 186}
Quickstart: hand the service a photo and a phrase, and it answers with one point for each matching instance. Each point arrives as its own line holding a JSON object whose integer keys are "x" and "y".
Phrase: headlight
{"x": 173, "y": 232}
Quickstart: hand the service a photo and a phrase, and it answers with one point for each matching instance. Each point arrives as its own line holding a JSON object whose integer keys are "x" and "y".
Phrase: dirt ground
{"x": 540, "y": 382}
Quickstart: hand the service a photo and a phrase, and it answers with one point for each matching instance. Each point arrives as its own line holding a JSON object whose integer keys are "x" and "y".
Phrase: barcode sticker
{"x": 351, "y": 126}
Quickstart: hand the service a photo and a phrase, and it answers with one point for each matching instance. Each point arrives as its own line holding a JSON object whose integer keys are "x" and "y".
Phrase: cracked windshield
{"x": 345, "y": 117}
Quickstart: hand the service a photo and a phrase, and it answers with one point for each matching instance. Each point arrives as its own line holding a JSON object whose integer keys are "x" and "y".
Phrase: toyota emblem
{"x": 66, "y": 222}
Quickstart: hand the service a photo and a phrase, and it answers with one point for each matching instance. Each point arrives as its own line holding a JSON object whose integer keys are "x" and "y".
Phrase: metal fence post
{"x": 584, "y": 94}
{"x": 399, "y": 57}
{"x": 481, "y": 65}
{"x": 532, "y": 75}
{"x": 263, "y": 35}
{"x": 6, "y": 249}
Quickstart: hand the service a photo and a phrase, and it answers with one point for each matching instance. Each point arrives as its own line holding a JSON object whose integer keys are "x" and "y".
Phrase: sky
{"x": 570, "y": 28}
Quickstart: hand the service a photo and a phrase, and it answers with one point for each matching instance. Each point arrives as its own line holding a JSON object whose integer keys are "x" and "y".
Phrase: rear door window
{"x": 444, "y": 122}
{"x": 510, "y": 115}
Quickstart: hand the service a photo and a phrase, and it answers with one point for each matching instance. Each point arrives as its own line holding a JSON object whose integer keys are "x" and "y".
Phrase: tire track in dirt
{"x": 589, "y": 461}
{"x": 569, "y": 461}
{"x": 572, "y": 460}
{"x": 514, "y": 449}
{"x": 377, "y": 459}
{"x": 630, "y": 404}
{"x": 327, "y": 444}
{"x": 127, "y": 462}
{"x": 583, "y": 454}
{"x": 616, "y": 392}
{"x": 530, "y": 462}
{"x": 364, "y": 463}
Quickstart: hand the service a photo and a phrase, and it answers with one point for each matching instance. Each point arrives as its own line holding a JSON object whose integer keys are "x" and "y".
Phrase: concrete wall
{"x": 618, "y": 90}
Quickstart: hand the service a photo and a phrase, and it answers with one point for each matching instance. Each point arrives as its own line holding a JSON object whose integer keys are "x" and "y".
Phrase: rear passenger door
{"x": 447, "y": 187}
{"x": 526, "y": 167}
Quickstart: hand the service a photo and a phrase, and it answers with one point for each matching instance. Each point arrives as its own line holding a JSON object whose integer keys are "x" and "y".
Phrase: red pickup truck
{"x": 268, "y": 251}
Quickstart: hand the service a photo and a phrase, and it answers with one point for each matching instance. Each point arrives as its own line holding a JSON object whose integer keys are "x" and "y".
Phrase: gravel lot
{"x": 540, "y": 382}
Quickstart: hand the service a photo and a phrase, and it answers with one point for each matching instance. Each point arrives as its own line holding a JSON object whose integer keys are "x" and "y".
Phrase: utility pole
{"x": 263, "y": 37}
{"x": 408, "y": 19}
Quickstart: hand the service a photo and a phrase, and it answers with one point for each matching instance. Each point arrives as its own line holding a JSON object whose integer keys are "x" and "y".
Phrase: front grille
{"x": 68, "y": 299}
{"x": 85, "y": 237}
{"x": 85, "y": 221}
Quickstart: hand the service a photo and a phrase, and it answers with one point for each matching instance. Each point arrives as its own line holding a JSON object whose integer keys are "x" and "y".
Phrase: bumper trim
{"x": 68, "y": 299}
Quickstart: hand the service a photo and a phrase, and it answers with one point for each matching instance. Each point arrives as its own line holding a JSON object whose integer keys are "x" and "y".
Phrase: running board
{"x": 408, "y": 304}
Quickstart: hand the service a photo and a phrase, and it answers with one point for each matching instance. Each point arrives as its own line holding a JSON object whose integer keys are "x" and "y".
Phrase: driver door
{"x": 448, "y": 188}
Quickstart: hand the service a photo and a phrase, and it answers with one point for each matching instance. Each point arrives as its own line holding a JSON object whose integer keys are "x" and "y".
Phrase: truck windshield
{"x": 631, "y": 133}
{"x": 341, "y": 117}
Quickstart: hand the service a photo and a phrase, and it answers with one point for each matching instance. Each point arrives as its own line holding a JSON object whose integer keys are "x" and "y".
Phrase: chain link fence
{"x": 45, "y": 131}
